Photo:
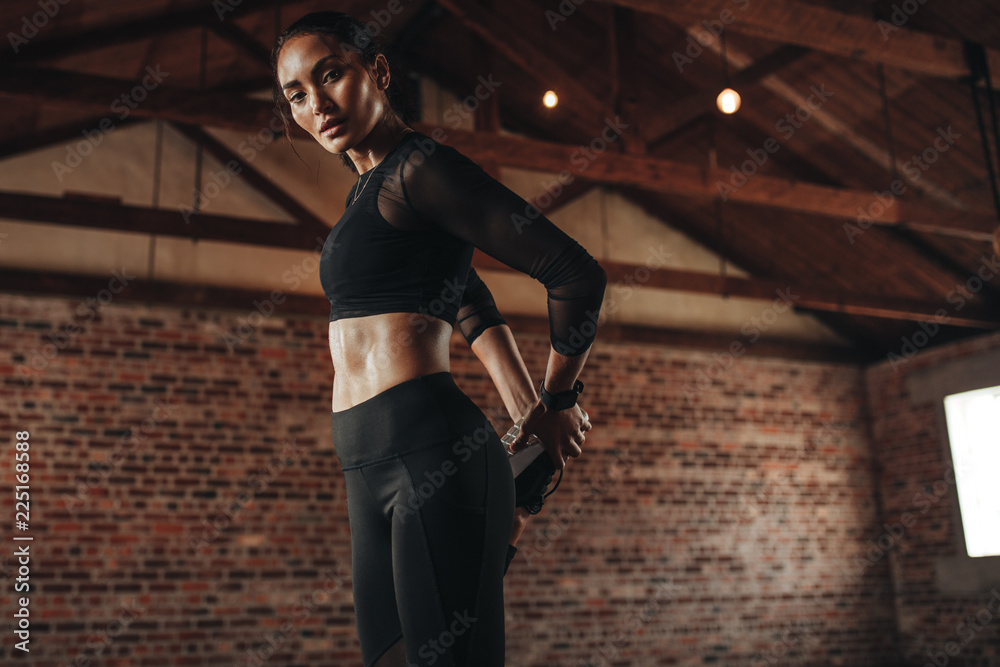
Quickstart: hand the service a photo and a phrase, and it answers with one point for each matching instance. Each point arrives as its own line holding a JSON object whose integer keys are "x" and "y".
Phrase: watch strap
{"x": 562, "y": 400}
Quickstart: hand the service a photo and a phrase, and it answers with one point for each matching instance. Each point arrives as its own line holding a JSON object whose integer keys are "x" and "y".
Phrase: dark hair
{"x": 352, "y": 36}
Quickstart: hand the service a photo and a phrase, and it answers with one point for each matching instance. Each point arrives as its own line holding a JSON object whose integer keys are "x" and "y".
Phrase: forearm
{"x": 498, "y": 352}
{"x": 562, "y": 371}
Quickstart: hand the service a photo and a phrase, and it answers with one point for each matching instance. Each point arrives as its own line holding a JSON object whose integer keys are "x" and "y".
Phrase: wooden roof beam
{"x": 177, "y": 223}
{"x": 254, "y": 178}
{"x": 578, "y": 100}
{"x": 217, "y": 109}
{"x": 843, "y": 130}
{"x": 783, "y": 292}
{"x": 681, "y": 112}
{"x": 821, "y": 29}
{"x": 91, "y": 38}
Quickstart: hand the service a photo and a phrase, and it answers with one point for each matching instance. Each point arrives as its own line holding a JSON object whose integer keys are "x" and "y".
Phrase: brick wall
{"x": 938, "y": 591}
{"x": 186, "y": 504}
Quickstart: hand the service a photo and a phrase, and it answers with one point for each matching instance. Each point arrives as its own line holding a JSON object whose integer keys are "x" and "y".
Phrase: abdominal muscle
{"x": 373, "y": 353}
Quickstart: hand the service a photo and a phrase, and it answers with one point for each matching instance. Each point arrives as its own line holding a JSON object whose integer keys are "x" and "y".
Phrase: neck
{"x": 373, "y": 149}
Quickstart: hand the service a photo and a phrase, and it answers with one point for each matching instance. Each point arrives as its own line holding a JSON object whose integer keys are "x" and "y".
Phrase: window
{"x": 973, "y": 419}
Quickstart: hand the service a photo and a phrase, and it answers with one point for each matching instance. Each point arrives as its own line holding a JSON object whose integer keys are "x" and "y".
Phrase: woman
{"x": 429, "y": 487}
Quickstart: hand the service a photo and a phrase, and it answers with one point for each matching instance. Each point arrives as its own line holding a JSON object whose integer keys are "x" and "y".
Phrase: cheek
{"x": 300, "y": 116}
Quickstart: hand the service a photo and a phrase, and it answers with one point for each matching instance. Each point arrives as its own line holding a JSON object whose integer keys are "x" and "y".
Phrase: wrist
{"x": 523, "y": 403}
{"x": 560, "y": 400}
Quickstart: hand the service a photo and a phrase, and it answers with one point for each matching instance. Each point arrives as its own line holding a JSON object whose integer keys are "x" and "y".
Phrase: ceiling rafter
{"x": 622, "y": 68}
{"x": 843, "y": 130}
{"x": 578, "y": 100}
{"x": 177, "y": 223}
{"x": 799, "y": 295}
{"x": 124, "y": 32}
{"x": 26, "y": 143}
{"x": 701, "y": 102}
{"x": 821, "y": 29}
{"x": 232, "y": 112}
{"x": 934, "y": 257}
{"x": 254, "y": 178}
{"x": 860, "y": 332}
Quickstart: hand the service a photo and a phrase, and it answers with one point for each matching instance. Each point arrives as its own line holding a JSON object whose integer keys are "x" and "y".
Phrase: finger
{"x": 575, "y": 450}
{"x": 514, "y": 438}
{"x": 557, "y": 458}
{"x": 519, "y": 442}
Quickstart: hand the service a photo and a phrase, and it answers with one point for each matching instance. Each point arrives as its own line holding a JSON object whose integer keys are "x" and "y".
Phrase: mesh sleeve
{"x": 477, "y": 312}
{"x": 449, "y": 191}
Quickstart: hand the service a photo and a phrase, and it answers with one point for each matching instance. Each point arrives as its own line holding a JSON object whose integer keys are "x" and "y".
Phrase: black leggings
{"x": 430, "y": 500}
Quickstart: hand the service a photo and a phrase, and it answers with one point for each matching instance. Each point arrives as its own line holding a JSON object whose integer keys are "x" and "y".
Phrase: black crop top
{"x": 406, "y": 245}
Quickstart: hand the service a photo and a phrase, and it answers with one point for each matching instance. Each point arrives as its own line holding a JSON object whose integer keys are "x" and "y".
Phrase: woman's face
{"x": 332, "y": 95}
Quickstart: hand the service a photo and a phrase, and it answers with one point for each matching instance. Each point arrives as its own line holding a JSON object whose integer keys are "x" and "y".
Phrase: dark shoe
{"x": 533, "y": 470}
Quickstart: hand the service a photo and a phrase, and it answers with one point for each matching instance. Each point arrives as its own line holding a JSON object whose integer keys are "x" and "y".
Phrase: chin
{"x": 329, "y": 144}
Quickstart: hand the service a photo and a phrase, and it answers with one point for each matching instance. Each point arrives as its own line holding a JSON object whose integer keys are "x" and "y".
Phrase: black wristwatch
{"x": 562, "y": 400}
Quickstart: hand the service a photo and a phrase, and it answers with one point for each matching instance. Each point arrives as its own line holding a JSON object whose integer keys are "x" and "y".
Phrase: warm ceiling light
{"x": 728, "y": 101}
{"x": 550, "y": 99}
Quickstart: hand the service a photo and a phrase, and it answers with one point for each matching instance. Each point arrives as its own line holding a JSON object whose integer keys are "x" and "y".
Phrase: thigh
{"x": 450, "y": 535}
{"x": 371, "y": 570}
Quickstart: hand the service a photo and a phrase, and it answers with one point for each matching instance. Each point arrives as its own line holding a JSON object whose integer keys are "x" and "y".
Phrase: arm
{"x": 492, "y": 342}
{"x": 448, "y": 191}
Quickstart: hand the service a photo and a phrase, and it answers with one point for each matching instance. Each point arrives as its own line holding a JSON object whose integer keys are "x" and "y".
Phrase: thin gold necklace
{"x": 372, "y": 173}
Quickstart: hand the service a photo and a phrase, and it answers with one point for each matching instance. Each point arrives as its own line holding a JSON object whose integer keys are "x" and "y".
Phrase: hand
{"x": 562, "y": 432}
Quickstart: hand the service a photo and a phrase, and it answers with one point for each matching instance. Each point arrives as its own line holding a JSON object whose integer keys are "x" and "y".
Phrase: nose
{"x": 321, "y": 102}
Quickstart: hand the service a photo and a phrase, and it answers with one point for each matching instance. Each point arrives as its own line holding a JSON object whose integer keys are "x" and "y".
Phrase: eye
{"x": 332, "y": 74}
{"x": 297, "y": 97}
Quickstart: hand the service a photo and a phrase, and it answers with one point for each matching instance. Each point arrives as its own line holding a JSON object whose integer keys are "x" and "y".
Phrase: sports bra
{"x": 405, "y": 245}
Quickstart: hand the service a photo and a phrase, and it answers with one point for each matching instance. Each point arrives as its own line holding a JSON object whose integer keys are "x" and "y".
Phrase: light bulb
{"x": 550, "y": 99}
{"x": 728, "y": 101}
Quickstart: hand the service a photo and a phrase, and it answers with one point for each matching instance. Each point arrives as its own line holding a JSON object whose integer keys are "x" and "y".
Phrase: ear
{"x": 382, "y": 75}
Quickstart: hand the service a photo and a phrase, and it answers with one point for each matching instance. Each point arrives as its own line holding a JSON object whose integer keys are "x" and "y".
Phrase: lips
{"x": 334, "y": 124}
